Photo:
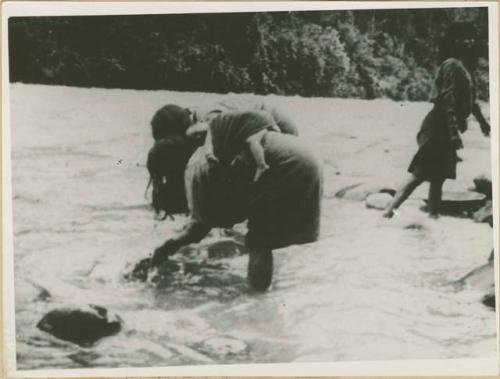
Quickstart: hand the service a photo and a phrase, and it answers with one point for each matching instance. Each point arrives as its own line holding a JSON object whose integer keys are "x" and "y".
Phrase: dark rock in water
{"x": 415, "y": 226}
{"x": 83, "y": 326}
{"x": 484, "y": 214}
{"x": 378, "y": 201}
{"x": 482, "y": 184}
{"x": 43, "y": 295}
{"x": 489, "y": 300}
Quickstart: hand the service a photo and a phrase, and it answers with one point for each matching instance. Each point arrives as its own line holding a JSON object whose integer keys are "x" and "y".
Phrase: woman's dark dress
{"x": 438, "y": 139}
{"x": 282, "y": 207}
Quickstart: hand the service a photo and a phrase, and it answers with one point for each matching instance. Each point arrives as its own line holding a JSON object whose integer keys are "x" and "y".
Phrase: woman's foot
{"x": 389, "y": 213}
{"x": 260, "y": 269}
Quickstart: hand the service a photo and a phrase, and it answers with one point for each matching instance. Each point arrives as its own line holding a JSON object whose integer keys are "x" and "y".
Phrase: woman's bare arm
{"x": 194, "y": 231}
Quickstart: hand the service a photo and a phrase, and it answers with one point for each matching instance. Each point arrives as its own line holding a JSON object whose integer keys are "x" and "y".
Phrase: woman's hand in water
{"x": 162, "y": 253}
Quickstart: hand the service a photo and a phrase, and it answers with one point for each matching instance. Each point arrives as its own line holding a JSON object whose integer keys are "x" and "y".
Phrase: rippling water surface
{"x": 370, "y": 289}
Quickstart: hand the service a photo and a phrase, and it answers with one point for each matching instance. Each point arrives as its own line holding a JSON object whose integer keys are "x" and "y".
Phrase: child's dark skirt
{"x": 436, "y": 158}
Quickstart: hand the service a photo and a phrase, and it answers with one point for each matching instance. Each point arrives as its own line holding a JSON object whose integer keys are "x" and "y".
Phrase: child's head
{"x": 171, "y": 120}
{"x": 460, "y": 41}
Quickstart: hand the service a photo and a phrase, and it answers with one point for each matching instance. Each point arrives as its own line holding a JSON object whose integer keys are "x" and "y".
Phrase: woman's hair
{"x": 170, "y": 120}
{"x": 166, "y": 162}
{"x": 458, "y": 30}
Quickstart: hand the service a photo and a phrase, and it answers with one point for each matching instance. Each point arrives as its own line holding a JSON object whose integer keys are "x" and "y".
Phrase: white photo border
{"x": 462, "y": 367}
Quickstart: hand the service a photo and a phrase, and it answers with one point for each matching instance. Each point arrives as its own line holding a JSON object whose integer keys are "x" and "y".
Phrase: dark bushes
{"x": 365, "y": 54}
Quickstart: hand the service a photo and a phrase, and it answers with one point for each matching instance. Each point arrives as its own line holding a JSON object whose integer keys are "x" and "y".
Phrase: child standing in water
{"x": 224, "y": 135}
{"x": 453, "y": 95}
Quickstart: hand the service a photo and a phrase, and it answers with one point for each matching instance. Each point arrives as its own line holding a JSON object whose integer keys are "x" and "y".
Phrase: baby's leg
{"x": 255, "y": 144}
{"x": 209, "y": 148}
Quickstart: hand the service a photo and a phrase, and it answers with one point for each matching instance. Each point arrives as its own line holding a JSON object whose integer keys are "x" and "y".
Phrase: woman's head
{"x": 171, "y": 120}
{"x": 460, "y": 41}
{"x": 167, "y": 160}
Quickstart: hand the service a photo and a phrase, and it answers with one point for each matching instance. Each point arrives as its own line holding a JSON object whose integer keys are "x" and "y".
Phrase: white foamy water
{"x": 370, "y": 289}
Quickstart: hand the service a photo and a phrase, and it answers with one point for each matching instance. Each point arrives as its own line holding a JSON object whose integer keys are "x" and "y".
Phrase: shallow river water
{"x": 370, "y": 289}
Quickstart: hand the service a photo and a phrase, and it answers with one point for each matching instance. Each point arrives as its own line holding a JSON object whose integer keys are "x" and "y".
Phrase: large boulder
{"x": 360, "y": 192}
{"x": 83, "y": 325}
{"x": 378, "y": 201}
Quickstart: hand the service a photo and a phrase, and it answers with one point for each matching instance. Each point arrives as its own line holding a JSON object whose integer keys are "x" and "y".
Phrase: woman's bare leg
{"x": 402, "y": 194}
{"x": 260, "y": 269}
{"x": 435, "y": 195}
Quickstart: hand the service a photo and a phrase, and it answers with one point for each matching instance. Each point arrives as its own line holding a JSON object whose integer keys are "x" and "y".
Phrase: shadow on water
{"x": 187, "y": 282}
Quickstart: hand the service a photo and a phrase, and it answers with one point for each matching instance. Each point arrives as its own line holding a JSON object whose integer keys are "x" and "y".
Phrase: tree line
{"x": 359, "y": 54}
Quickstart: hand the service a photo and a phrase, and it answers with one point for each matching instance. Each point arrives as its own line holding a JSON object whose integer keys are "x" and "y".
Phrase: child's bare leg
{"x": 255, "y": 144}
{"x": 402, "y": 194}
{"x": 209, "y": 147}
{"x": 435, "y": 195}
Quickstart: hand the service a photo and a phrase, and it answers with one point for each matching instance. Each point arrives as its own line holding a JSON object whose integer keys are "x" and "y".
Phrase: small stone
{"x": 489, "y": 300}
{"x": 379, "y": 201}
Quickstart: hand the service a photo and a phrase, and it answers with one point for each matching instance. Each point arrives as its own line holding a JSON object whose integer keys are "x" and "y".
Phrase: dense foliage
{"x": 362, "y": 53}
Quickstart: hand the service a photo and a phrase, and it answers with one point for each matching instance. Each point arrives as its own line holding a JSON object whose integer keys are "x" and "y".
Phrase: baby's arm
{"x": 255, "y": 145}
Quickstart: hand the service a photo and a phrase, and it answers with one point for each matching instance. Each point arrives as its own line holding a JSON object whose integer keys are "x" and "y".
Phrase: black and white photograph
{"x": 215, "y": 186}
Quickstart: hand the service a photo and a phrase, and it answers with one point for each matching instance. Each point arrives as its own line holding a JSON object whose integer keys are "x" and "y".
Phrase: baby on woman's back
{"x": 224, "y": 135}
